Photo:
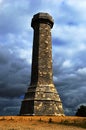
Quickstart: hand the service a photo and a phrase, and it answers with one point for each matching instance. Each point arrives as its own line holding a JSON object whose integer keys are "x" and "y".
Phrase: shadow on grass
{"x": 74, "y": 123}
{"x": 67, "y": 123}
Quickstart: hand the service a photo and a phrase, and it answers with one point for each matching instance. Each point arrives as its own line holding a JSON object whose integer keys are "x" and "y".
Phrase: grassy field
{"x": 42, "y": 123}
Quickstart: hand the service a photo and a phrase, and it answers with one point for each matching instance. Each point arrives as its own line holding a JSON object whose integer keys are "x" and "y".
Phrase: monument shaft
{"x": 42, "y": 51}
{"x": 41, "y": 97}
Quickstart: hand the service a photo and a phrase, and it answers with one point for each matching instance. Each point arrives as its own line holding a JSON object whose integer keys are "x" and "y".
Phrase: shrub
{"x": 81, "y": 111}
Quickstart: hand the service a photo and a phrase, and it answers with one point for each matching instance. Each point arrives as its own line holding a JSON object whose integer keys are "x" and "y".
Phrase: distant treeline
{"x": 81, "y": 111}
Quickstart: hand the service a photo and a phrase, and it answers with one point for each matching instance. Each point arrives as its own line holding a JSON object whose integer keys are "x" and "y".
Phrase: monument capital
{"x": 42, "y": 18}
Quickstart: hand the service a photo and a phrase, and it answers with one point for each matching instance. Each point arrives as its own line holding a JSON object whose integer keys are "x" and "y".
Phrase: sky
{"x": 68, "y": 51}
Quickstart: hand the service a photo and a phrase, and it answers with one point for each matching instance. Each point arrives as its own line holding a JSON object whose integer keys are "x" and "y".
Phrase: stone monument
{"x": 42, "y": 97}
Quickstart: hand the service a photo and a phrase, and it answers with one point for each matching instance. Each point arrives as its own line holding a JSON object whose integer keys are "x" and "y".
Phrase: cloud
{"x": 1, "y": 1}
{"x": 14, "y": 74}
{"x": 9, "y": 106}
{"x": 69, "y": 50}
{"x": 70, "y": 84}
{"x": 82, "y": 71}
{"x": 67, "y": 63}
{"x": 14, "y": 18}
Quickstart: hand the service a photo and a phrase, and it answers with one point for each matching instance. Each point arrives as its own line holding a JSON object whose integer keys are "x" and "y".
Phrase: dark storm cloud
{"x": 4, "y": 56}
{"x": 69, "y": 50}
{"x": 14, "y": 80}
{"x": 14, "y": 69}
{"x": 71, "y": 84}
{"x": 14, "y": 74}
{"x": 9, "y": 106}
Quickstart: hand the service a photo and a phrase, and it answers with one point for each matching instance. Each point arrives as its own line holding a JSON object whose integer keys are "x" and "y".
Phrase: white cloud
{"x": 1, "y": 1}
{"x": 25, "y": 54}
{"x": 76, "y": 2}
{"x": 71, "y": 75}
{"x": 82, "y": 47}
{"x": 78, "y": 106}
{"x": 55, "y": 78}
{"x": 80, "y": 8}
{"x": 82, "y": 71}
{"x": 67, "y": 64}
{"x": 69, "y": 33}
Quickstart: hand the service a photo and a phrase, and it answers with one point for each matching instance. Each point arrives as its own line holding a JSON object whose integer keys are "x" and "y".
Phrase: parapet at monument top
{"x": 43, "y": 18}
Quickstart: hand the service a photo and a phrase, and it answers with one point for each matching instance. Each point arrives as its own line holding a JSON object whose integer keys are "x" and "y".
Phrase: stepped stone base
{"x": 41, "y": 100}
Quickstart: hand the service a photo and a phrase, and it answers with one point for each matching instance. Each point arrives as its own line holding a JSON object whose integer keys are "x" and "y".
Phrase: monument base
{"x": 41, "y": 100}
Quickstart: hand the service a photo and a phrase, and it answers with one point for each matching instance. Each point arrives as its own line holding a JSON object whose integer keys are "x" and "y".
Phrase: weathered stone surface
{"x": 41, "y": 97}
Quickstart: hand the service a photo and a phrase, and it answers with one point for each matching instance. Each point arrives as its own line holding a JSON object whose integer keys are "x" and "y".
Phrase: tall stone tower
{"x": 42, "y": 97}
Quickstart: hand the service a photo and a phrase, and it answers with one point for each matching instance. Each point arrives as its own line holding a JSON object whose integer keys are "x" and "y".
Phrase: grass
{"x": 2, "y": 119}
{"x": 65, "y": 120}
{"x": 74, "y": 123}
{"x": 69, "y": 121}
{"x": 12, "y": 129}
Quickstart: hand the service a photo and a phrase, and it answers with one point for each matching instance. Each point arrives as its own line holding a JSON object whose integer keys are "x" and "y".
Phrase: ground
{"x": 42, "y": 123}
